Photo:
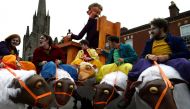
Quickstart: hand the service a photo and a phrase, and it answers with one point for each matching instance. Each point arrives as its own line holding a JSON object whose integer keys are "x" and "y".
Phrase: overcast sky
{"x": 16, "y": 15}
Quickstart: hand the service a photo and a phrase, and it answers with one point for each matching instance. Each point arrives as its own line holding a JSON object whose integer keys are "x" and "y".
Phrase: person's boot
{"x": 129, "y": 92}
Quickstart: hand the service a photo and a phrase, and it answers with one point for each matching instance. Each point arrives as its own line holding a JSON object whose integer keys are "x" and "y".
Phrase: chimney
{"x": 174, "y": 11}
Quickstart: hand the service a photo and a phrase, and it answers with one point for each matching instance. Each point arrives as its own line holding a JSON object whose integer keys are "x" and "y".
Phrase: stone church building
{"x": 41, "y": 24}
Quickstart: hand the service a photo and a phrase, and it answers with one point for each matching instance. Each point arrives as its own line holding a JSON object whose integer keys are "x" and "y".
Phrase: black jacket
{"x": 92, "y": 34}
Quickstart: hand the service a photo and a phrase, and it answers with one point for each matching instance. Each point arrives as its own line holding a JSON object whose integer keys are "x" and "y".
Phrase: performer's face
{"x": 84, "y": 46}
{"x": 95, "y": 11}
{"x": 111, "y": 44}
{"x": 15, "y": 42}
{"x": 43, "y": 41}
{"x": 155, "y": 31}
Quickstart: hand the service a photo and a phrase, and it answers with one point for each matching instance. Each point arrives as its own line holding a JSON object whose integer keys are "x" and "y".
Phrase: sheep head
{"x": 86, "y": 71}
{"x": 104, "y": 93}
{"x": 152, "y": 90}
{"x": 63, "y": 89}
{"x": 37, "y": 85}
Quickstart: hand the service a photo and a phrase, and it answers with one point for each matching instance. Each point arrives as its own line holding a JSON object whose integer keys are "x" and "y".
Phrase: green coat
{"x": 126, "y": 52}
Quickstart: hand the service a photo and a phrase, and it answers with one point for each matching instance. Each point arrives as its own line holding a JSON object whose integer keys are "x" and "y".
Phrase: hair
{"x": 48, "y": 38}
{"x": 113, "y": 39}
{"x": 9, "y": 38}
{"x": 160, "y": 23}
{"x": 95, "y": 5}
{"x": 85, "y": 42}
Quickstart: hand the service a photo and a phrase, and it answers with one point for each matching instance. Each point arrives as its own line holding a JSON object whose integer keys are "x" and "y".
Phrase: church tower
{"x": 41, "y": 24}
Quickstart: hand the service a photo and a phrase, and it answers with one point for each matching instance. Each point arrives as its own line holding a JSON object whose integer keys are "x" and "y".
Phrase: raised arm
{"x": 91, "y": 22}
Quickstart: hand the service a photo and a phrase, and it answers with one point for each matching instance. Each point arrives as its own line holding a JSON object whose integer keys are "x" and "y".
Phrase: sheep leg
{"x": 75, "y": 104}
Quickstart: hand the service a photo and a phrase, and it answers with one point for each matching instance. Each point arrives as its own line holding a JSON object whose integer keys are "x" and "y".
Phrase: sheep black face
{"x": 152, "y": 90}
{"x": 63, "y": 89}
{"x": 104, "y": 93}
{"x": 38, "y": 86}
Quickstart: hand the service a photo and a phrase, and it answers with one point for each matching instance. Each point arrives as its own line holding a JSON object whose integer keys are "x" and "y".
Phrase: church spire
{"x": 48, "y": 13}
{"x": 27, "y": 31}
{"x": 35, "y": 13}
{"x": 42, "y": 8}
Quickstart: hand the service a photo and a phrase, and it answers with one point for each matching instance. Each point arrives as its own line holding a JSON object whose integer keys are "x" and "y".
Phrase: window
{"x": 185, "y": 34}
{"x": 185, "y": 30}
{"x": 130, "y": 42}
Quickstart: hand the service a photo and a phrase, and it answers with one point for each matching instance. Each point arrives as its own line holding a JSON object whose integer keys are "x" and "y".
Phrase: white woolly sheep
{"x": 152, "y": 86}
{"x": 153, "y": 73}
{"x": 111, "y": 86}
{"x": 63, "y": 84}
{"x": 148, "y": 92}
{"x": 14, "y": 96}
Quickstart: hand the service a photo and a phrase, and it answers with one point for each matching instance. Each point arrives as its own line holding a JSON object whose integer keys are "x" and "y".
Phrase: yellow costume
{"x": 161, "y": 47}
{"x": 125, "y": 68}
{"x": 93, "y": 54}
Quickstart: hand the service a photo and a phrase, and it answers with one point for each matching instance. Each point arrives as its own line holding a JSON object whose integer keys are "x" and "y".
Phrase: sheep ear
{"x": 94, "y": 84}
{"x": 79, "y": 83}
{"x": 135, "y": 84}
{"x": 178, "y": 81}
{"x": 14, "y": 84}
{"x": 51, "y": 79}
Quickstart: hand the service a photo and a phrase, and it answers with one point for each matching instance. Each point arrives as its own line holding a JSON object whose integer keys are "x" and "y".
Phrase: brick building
{"x": 179, "y": 25}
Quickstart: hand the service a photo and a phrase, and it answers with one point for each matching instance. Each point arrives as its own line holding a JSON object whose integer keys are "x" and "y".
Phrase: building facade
{"x": 179, "y": 25}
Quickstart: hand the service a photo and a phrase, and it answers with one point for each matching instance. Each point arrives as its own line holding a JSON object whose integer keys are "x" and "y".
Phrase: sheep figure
{"x": 84, "y": 92}
{"x": 151, "y": 86}
{"x": 62, "y": 87}
{"x": 111, "y": 86}
{"x": 14, "y": 96}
